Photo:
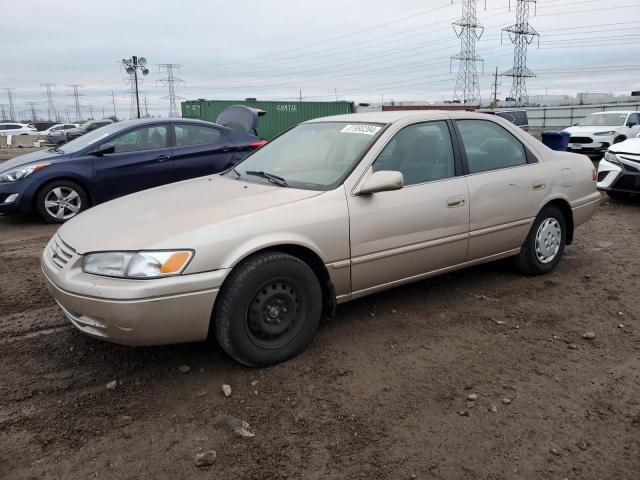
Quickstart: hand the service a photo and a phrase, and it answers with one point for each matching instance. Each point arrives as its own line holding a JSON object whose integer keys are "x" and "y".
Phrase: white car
{"x": 10, "y": 128}
{"x": 619, "y": 171}
{"x": 598, "y": 131}
{"x": 58, "y": 127}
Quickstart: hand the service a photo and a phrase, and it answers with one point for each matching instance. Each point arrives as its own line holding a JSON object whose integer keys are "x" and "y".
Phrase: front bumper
{"x": 130, "y": 312}
{"x": 589, "y": 143}
{"x": 619, "y": 178}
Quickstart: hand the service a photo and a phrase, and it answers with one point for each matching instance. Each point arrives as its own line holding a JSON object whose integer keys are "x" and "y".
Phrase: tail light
{"x": 257, "y": 144}
{"x": 594, "y": 175}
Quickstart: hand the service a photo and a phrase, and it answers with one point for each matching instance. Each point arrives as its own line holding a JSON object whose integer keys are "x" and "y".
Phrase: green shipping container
{"x": 280, "y": 116}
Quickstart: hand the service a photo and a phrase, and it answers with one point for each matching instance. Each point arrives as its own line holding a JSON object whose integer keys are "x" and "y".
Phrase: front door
{"x": 142, "y": 159}
{"x": 401, "y": 235}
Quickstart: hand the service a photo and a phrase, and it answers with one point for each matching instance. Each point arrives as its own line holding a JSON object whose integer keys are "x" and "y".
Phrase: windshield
{"x": 311, "y": 156}
{"x": 89, "y": 138}
{"x": 603, "y": 119}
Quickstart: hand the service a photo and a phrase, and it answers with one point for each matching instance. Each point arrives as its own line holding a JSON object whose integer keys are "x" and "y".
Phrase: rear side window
{"x": 489, "y": 146}
{"x": 147, "y": 138}
{"x": 422, "y": 153}
{"x": 187, "y": 135}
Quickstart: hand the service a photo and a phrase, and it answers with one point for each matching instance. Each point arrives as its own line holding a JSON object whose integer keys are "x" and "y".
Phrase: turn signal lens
{"x": 176, "y": 262}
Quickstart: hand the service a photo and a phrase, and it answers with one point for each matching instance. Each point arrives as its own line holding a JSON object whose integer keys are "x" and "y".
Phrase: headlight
{"x": 21, "y": 172}
{"x": 137, "y": 264}
{"x": 610, "y": 132}
{"x": 611, "y": 158}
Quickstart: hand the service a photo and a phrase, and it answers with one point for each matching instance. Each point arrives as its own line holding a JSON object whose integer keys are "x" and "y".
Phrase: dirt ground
{"x": 381, "y": 392}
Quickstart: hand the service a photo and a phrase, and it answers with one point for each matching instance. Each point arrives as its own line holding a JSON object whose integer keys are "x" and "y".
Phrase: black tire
{"x": 268, "y": 309}
{"x": 528, "y": 260}
{"x": 81, "y": 201}
{"x": 619, "y": 139}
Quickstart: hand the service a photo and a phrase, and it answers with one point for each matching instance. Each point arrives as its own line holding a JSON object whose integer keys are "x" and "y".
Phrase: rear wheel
{"x": 60, "y": 200}
{"x": 543, "y": 248}
{"x": 268, "y": 309}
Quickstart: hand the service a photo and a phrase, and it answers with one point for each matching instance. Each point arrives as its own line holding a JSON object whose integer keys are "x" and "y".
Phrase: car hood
{"x": 631, "y": 146}
{"x": 591, "y": 130}
{"x": 164, "y": 217}
{"x": 29, "y": 158}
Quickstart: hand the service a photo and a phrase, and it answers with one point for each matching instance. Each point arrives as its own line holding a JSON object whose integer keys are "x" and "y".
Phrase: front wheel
{"x": 268, "y": 309}
{"x": 543, "y": 248}
{"x": 60, "y": 200}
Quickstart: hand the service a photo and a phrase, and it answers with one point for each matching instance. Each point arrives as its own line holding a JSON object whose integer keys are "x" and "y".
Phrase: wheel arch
{"x": 61, "y": 178}
{"x": 308, "y": 256}
{"x": 564, "y": 206}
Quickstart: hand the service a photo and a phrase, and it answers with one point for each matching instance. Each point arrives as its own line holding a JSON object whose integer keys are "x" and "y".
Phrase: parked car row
{"x": 11, "y": 128}
{"x": 332, "y": 210}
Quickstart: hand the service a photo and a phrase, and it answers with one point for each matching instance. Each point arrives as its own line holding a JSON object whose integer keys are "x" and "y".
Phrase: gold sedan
{"x": 334, "y": 209}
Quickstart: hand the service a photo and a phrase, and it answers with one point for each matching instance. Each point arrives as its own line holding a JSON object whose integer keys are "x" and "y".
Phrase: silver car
{"x": 332, "y": 210}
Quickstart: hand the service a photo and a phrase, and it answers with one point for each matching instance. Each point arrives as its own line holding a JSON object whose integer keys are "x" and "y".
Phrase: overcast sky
{"x": 270, "y": 49}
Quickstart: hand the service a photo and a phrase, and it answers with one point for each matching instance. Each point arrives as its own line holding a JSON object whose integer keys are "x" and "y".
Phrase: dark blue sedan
{"x": 116, "y": 160}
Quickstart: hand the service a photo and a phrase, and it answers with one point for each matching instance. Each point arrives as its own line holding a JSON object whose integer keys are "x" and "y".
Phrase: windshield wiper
{"x": 269, "y": 176}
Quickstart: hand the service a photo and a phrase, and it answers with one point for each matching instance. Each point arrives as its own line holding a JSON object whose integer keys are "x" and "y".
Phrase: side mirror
{"x": 382, "y": 181}
{"x": 104, "y": 149}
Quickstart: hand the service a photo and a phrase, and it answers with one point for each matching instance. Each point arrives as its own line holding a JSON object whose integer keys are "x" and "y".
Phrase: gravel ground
{"x": 382, "y": 392}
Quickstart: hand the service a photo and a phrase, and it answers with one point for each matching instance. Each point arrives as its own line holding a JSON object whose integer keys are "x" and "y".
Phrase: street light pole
{"x": 131, "y": 66}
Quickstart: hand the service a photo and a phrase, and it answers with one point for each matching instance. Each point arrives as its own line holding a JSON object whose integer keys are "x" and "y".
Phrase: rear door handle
{"x": 454, "y": 202}
{"x": 538, "y": 185}
{"x": 226, "y": 149}
{"x": 162, "y": 158}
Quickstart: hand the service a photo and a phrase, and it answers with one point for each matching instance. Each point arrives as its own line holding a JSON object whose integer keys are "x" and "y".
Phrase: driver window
{"x": 147, "y": 138}
{"x": 422, "y": 153}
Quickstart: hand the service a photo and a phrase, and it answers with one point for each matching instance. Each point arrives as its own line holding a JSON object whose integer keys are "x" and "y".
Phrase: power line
{"x": 170, "y": 81}
{"x": 76, "y": 101}
{"x": 469, "y": 30}
{"x": 12, "y": 112}
{"x": 521, "y": 35}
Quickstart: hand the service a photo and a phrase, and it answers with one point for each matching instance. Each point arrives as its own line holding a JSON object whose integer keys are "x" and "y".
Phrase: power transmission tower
{"x": 34, "y": 111}
{"x": 51, "y": 109}
{"x": 12, "y": 111}
{"x": 170, "y": 81}
{"x": 113, "y": 99}
{"x": 91, "y": 112}
{"x": 469, "y": 30}
{"x": 3, "y": 112}
{"x": 76, "y": 101}
{"x": 494, "y": 89}
{"x": 146, "y": 107}
{"x": 521, "y": 35}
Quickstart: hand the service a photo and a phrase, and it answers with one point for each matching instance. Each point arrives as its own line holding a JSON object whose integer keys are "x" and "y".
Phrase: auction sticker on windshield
{"x": 364, "y": 129}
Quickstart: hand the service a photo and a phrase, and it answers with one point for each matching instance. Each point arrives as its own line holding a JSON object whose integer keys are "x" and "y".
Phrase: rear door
{"x": 506, "y": 187}
{"x": 200, "y": 150}
{"x": 142, "y": 160}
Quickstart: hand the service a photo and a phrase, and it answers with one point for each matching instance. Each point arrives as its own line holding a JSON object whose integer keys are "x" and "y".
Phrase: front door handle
{"x": 454, "y": 202}
{"x": 162, "y": 158}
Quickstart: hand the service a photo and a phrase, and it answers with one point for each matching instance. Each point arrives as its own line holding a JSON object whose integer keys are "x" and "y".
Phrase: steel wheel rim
{"x": 275, "y": 313}
{"x": 62, "y": 203}
{"x": 548, "y": 239}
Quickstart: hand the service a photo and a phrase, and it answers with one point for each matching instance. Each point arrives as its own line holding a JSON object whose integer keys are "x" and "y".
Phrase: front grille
{"x": 629, "y": 167}
{"x": 628, "y": 182}
{"x": 580, "y": 140}
{"x": 59, "y": 252}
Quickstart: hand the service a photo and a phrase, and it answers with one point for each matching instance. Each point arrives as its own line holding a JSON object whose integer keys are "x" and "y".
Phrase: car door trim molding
{"x": 408, "y": 248}
{"x": 502, "y": 226}
{"x": 432, "y": 273}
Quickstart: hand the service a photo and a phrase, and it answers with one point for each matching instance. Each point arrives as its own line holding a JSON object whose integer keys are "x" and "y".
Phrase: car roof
{"x": 155, "y": 121}
{"x": 395, "y": 116}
